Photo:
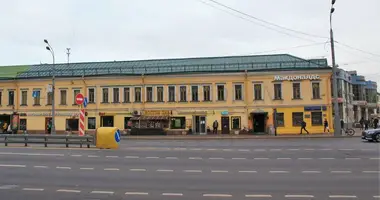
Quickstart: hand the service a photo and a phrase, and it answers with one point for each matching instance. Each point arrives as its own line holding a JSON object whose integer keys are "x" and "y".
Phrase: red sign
{"x": 79, "y": 99}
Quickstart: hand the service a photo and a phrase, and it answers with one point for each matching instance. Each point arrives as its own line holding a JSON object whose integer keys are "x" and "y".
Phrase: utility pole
{"x": 337, "y": 128}
{"x": 49, "y": 48}
{"x": 68, "y": 55}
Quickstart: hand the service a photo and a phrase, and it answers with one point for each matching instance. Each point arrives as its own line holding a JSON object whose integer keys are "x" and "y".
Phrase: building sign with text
{"x": 297, "y": 77}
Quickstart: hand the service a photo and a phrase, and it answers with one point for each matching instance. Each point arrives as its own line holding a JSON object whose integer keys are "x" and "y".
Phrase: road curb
{"x": 229, "y": 137}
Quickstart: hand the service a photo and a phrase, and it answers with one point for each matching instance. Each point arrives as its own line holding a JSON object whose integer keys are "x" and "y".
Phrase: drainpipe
{"x": 246, "y": 96}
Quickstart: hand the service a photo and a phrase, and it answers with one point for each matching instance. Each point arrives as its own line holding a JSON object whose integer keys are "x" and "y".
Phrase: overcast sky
{"x": 104, "y": 30}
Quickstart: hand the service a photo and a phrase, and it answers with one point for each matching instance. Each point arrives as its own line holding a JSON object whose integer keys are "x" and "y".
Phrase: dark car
{"x": 371, "y": 135}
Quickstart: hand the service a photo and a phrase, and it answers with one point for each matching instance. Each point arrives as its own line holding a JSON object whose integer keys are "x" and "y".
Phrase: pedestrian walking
{"x": 361, "y": 123}
{"x": 342, "y": 125}
{"x": 215, "y": 127}
{"x": 375, "y": 123}
{"x": 303, "y": 127}
{"x": 326, "y": 126}
{"x": 366, "y": 124}
{"x": 49, "y": 127}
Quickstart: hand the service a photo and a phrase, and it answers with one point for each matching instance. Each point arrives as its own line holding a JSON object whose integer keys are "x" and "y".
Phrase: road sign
{"x": 85, "y": 102}
{"x": 35, "y": 94}
{"x": 117, "y": 136}
{"x": 79, "y": 99}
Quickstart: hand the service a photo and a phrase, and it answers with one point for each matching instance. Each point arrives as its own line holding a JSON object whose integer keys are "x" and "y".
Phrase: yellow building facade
{"x": 186, "y": 102}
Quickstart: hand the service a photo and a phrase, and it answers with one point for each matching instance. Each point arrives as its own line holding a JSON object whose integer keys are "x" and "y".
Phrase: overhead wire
{"x": 354, "y": 48}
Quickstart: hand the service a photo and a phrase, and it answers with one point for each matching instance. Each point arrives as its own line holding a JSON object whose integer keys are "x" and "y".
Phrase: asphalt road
{"x": 275, "y": 169}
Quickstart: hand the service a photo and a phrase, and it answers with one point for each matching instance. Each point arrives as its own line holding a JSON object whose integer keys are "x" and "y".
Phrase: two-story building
{"x": 175, "y": 95}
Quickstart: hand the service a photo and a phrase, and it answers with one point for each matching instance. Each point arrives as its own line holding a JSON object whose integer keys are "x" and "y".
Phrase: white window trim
{"x": 225, "y": 92}
{"x": 73, "y": 92}
{"x": 123, "y": 94}
{"x": 210, "y": 92}
{"x": 320, "y": 94}
{"x": 242, "y": 91}
{"x": 61, "y": 95}
{"x": 191, "y": 92}
{"x": 26, "y": 96}
{"x": 179, "y": 93}
{"x": 88, "y": 93}
{"x": 300, "y": 89}
{"x": 134, "y": 94}
{"x": 108, "y": 95}
{"x": 253, "y": 91}
{"x": 155, "y": 97}
{"x": 274, "y": 92}
{"x": 113, "y": 99}
{"x": 146, "y": 93}
{"x": 175, "y": 93}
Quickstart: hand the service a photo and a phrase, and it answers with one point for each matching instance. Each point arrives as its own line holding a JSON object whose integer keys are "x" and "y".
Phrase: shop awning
{"x": 150, "y": 118}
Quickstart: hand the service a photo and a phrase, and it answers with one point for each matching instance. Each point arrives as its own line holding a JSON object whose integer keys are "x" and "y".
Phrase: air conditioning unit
{"x": 136, "y": 113}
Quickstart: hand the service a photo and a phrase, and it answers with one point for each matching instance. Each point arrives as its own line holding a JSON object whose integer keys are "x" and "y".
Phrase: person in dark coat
{"x": 326, "y": 126}
{"x": 303, "y": 127}
{"x": 361, "y": 123}
{"x": 366, "y": 124}
{"x": 215, "y": 127}
{"x": 375, "y": 123}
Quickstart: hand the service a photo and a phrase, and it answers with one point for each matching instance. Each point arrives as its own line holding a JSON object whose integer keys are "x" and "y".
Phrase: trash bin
{"x": 107, "y": 137}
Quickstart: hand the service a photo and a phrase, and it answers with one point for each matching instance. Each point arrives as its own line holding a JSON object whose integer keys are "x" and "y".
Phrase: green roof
{"x": 166, "y": 66}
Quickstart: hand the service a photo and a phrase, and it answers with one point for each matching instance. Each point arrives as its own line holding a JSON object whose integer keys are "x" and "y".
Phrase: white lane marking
{"x": 111, "y": 169}
{"x": 227, "y": 149}
{"x": 165, "y": 170}
{"x": 293, "y": 149}
{"x": 309, "y": 149}
{"x": 112, "y": 156}
{"x": 171, "y": 158}
{"x": 181, "y": 149}
{"x": 30, "y": 154}
{"x": 261, "y": 158}
{"x": 172, "y": 194}
{"x": 132, "y": 157}
{"x": 193, "y": 171}
{"x": 258, "y": 196}
{"x": 217, "y": 195}
{"x": 86, "y": 168}
{"x": 298, "y": 196}
{"x": 278, "y": 172}
{"x": 352, "y": 158}
{"x": 92, "y": 156}
{"x": 137, "y": 170}
{"x": 247, "y": 171}
{"x": 304, "y": 158}
{"x": 346, "y": 149}
{"x": 371, "y": 172}
{"x": 33, "y": 189}
{"x": 216, "y": 158}
{"x": 239, "y": 158}
{"x": 327, "y": 158}
{"x": 18, "y": 166}
{"x": 325, "y": 149}
{"x": 343, "y": 196}
{"x": 76, "y": 155}
{"x": 195, "y": 149}
{"x": 275, "y": 149}
{"x": 376, "y": 197}
{"x": 259, "y": 150}
{"x": 102, "y": 192}
{"x": 341, "y": 172}
{"x": 283, "y": 158}
{"x": 211, "y": 149}
{"x": 374, "y": 158}
{"x": 195, "y": 158}
{"x": 219, "y": 171}
{"x": 136, "y": 193}
{"x": 7, "y": 187}
{"x": 311, "y": 172}
{"x": 152, "y": 157}
{"x": 40, "y": 166}
{"x": 68, "y": 191}
{"x": 63, "y": 167}
{"x": 244, "y": 150}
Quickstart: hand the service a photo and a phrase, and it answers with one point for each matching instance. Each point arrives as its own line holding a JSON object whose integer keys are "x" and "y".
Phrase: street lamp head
{"x": 45, "y": 40}
{"x": 332, "y": 10}
{"x": 48, "y": 48}
{"x": 333, "y": 2}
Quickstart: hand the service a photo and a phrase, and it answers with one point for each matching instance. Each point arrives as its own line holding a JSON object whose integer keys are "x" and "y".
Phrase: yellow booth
{"x": 107, "y": 137}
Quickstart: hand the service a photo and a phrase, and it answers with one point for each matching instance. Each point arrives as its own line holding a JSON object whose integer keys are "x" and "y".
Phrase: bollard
{"x": 26, "y": 141}
{"x": 6, "y": 141}
{"x": 67, "y": 142}
{"x": 45, "y": 141}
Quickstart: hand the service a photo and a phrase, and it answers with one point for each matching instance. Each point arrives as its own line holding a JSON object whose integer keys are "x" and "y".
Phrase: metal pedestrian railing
{"x": 66, "y": 140}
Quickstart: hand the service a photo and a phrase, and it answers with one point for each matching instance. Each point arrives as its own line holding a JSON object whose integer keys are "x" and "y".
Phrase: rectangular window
{"x": 171, "y": 93}
{"x": 105, "y": 95}
{"x": 280, "y": 120}
{"x": 238, "y": 92}
{"x": 72, "y": 124}
{"x": 75, "y": 94}
{"x": 127, "y": 95}
{"x": 23, "y": 124}
{"x": 127, "y": 123}
{"x": 277, "y": 91}
{"x": 37, "y": 98}
{"x": 49, "y": 98}
{"x": 206, "y": 93}
{"x": 316, "y": 91}
{"x": 297, "y": 118}
{"x": 221, "y": 93}
{"x": 177, "y": 123}
{"x": 296, "y": 90}
{"x": 149, "y": 94}
{"x": 116, "y": 94}
{"x": 138, "y": 94}
{"x": 1, "y": 97}
{"x": 24, "y": 98}
{"x": 63, "y": 97}
{"x": 183, "y": 93}
{"x": 11, "y": 98}
{"x": 258, "y": 91}
{"x": 235, "y": 121}
{"x": 316, "y": 119}
{"x": 160, "y": 94}
{"x": 194, "y": 93}
{"x": 91, "y": 95}
{"x": 91, "y": 123}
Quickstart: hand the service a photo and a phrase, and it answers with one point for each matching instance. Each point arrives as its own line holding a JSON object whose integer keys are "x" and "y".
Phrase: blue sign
{"x": 117, "y": 136}
{"x": 35, "y": 94}
{"x": 224, "y": 113}
{"x": 85, "y": 102}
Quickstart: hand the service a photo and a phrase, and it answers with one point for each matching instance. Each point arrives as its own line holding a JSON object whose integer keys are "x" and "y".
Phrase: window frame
{"x": 149, "y": 94}
{"x": 126, "y": 97}
{"x": 209, "y": 93}
{"x": 90, "y": 100}
{"x": 116, "y": 93}
{"x": 74, "y": 95}
{"x": 182, "y": 94}
{"x": 194, "y": 94}
{"x": 274, "y": 92}
{"x": 21, "y": 124}
{"x": 160, "y": 94}
{"x": 67, "y": 123}
{"x": 283, "y": 119}
{"x": 88, "y": 123}
{"x": 60, "y": 97}
{"x": 224, "y": 92}
{"x": 261, "y": 92}
{"x": 183, "y": 126}
{"x": 232, "y": 122}
{"x": 241, "y": 91}
{"x": 299, "y": 92}
{"x": 49, "y": 98}
{"x": 174, "y": 95}
{"x": 37, "y": 100}
{"x": 138, "y": 98}
{"x": 320, "y": 123}
{"x": 319, "y": 89}
{"x": 105, "y": 89}
{"x": 24, "y": 99}
{"x": 11, "y": 103}
{"x": 295, "y": 123}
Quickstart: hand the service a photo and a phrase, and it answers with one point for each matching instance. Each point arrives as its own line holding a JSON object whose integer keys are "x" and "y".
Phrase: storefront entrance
{"x": 259, "y": 122}
{"x": 225, "y": 122}
{"x": 106, "y": 121}
{"x": 199, "y": 125}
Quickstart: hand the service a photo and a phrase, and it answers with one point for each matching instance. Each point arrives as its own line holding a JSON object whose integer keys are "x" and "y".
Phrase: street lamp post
{"x": 49, "y": 48}
{"x": 337, "y": 128}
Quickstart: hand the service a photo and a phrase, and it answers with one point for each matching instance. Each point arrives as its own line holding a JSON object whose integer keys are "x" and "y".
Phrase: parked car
{"x": 371, "y": 135}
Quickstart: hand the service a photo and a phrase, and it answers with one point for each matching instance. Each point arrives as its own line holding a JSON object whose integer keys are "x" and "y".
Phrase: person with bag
{"x": 303, "y": 127}
{"x": 326, "y": 126}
